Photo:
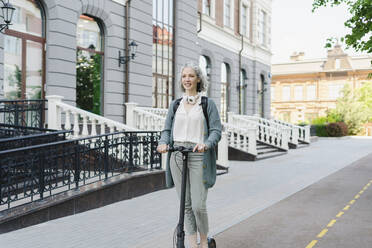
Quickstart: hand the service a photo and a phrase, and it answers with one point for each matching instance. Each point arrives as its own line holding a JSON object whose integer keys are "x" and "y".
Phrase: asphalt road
{"x": 332, "y": 213}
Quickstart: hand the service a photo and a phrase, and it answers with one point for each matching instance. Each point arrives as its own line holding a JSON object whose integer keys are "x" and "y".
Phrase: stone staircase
{"x": 265, "y": 151}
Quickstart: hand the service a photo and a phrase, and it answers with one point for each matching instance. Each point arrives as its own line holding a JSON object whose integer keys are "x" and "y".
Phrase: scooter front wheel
{"x": 211, "y": 243}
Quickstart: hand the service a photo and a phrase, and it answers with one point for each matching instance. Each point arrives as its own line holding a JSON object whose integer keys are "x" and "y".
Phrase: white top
{"x": 189, "y": 127}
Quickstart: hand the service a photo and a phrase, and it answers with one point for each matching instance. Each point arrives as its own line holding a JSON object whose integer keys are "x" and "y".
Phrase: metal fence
{"x": 25, "y": 113}
{"x": 31, "y": 173}
{"x": 33, "y": 139}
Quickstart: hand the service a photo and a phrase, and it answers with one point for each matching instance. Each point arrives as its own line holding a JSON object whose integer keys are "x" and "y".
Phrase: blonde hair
{"x": 203, "y": 84}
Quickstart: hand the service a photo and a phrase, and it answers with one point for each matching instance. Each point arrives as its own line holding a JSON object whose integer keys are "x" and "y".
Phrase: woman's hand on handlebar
{"x": 200, "y": 148}
{"x": 162, "y": 148}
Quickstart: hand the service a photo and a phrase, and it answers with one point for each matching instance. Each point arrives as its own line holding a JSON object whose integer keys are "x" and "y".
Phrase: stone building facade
{"x": 55, "y": 47}
{"x": 302, "y": 90}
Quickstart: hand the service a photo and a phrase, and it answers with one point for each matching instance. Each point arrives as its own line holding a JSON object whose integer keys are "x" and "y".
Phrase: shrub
{"x": 320, "y": 130}
{"x": 319, "y": 120}
{"x": 337, "y": 129}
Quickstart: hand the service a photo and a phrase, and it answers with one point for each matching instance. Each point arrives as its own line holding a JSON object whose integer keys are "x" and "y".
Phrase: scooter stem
{"x": 180, "y": 229}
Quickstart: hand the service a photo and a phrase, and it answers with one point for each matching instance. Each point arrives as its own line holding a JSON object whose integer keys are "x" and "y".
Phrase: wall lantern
{"x": 7, "y": 11}
{"x": 244, "y": 84}
{"x": 132, "y": 51}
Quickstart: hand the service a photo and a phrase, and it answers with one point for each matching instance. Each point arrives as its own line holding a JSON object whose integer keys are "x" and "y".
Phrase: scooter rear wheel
{"x": 211, "y": 243}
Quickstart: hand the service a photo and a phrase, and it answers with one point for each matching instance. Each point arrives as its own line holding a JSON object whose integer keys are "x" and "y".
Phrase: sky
{"x": 296, "y": 29}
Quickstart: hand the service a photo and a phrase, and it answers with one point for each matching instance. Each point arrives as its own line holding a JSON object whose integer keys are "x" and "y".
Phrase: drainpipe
{"x": 200, "y": 21}
{"x": 126, "y": 73}
{"x": 240, "y": 59}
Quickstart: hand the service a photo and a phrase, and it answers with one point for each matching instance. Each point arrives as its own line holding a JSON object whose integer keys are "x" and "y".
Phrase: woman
{"x": 188, "y": 127}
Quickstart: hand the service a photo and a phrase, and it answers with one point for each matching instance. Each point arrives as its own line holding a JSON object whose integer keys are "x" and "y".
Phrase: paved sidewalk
{"x": 149, "y": 221}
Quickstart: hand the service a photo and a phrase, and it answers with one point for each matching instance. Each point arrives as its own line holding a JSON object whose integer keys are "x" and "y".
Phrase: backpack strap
{"x": 176, "y": 104}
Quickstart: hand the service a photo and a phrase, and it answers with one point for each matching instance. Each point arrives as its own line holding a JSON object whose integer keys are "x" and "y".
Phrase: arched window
{"x": 89, "y": 65}
{"x": 163, "y": 59}
{"x": 225, "y": 79}
{"x": 24, "y": 53}
{"x": 205, "y": 65}
{"x": 242, "y": 90}
{"x": 261, "y": 95}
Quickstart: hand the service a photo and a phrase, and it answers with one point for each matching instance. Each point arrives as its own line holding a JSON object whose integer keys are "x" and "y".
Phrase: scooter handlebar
{"x": 180, "y": 149}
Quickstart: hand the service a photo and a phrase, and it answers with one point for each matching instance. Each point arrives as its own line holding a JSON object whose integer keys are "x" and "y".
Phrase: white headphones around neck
{"x": 191, "y": 99}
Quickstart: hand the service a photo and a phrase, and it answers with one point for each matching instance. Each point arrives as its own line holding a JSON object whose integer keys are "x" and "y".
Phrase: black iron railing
{"x": 8, "y": 131}
{"x": 33, "y": 139}
{"x": 32, "y": 173}
{"x": 25, "y": 113}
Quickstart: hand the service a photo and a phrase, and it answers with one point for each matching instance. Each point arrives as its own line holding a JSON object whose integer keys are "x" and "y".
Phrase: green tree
{"x": 360, "y": 23}
{"x": 88, "y": 82}
{"x": 364, "y": 95}
{"x": 15, "y": 80}
{"x": 351, "y": 110}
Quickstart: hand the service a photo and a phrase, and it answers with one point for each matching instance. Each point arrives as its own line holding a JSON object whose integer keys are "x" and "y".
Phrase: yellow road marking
{"x": 331, "y": 223}
{"x": 322, "y": 233}
{"x": 339, "y": 214}
{"x": 311, "y": 244}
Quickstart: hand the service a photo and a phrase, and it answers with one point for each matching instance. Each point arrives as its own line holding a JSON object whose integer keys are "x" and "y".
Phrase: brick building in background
{"x": 302, "y": 90}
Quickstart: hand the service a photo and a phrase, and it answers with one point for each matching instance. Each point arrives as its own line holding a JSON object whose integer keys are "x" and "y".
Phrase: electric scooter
{"x": 180, "y": 227}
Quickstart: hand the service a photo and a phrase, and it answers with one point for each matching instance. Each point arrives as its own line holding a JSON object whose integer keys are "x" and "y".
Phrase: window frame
{"x": 24, "y": 37}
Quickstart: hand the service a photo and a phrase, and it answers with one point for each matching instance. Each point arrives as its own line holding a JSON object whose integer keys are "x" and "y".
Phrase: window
{"x": 298, "y": 93}
{"x": 89, "y": 61}
{"x": 285, "y": 116}
{"x": 24, "y": 53}
{"x": 207, "y": 7}
{"x": 272, "y": 89}
{"x": 337, "y": 64}
{"x": 335, "y": 91}
{"x": 262, "y": 28}
{"x": 205, "y": 65}
{"x": 242, "y": 89}
{"x": 311, "y": 92}
{"x": 245, "y": 20}
{"x": 227, "y": 13}
{"x": 225, "y": 77}
{"x": 286, "y": 94}
{"x": 162, "y": 53}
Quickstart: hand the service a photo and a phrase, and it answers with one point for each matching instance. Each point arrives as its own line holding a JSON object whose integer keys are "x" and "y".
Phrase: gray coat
{"x": 211, "y": 138}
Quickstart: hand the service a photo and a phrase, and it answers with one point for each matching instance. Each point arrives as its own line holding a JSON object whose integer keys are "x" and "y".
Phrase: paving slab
{"x": 149, "y": 220}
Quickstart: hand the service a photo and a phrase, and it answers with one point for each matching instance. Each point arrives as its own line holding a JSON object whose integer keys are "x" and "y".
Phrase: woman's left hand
{"x": 200, "y": 148}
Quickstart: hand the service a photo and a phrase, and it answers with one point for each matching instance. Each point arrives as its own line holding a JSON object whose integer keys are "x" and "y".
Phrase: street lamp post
{"x": 7, "y": 11}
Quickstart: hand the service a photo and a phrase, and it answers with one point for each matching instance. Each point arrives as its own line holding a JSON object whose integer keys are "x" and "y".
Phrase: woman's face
{"x": 189, "y": 79}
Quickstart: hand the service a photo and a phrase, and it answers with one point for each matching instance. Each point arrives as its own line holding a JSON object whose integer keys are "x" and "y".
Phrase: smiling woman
{"x": 187, "y": 126}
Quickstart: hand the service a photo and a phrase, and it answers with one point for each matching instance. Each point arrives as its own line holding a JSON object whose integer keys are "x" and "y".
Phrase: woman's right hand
{"x": 162, "y": 148}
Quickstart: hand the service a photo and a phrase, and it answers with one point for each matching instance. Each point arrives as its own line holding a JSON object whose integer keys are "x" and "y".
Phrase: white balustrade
{"x": 143, "y": 119}
{"x": 57, "y": 109}
{"x": 241, "y": 138}
{"x": 157, "y": 111}
{"x": 276, "y": 135}
{"x": 302, "y": 132}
